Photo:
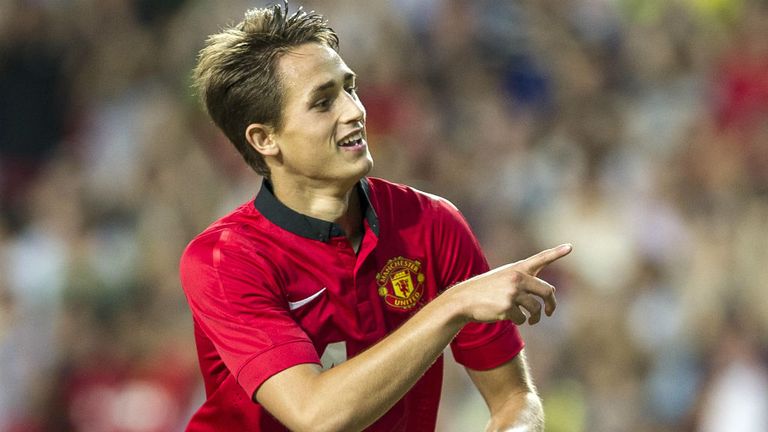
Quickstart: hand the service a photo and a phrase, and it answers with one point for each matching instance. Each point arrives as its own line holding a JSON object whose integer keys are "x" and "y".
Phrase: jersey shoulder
{"x": 388, "y": 193}
{"x": 239, "y": 228}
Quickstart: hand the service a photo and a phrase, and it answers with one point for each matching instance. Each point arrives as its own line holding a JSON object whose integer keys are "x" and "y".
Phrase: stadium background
{"x": 636, "y": 129}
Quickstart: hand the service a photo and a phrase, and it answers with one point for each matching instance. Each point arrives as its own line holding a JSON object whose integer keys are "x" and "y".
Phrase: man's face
{"x": 323, "y": 135}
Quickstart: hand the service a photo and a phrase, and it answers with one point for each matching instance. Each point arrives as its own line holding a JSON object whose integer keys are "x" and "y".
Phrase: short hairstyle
{"x": 236, "y": 74}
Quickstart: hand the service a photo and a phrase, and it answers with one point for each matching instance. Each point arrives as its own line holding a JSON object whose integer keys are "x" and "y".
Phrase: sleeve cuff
{"x": 504, "y": 347}
{"x": 262, "y": 366}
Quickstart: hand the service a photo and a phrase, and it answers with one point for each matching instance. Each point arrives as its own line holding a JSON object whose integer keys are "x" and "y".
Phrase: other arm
{"x": 511, "y": 397}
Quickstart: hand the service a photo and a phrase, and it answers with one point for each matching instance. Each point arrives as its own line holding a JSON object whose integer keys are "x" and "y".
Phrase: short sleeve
{"x": 235, "y": 299}
{"x": 478, "y": 346}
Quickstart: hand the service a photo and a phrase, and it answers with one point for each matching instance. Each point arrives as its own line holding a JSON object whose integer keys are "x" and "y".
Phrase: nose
{"x": 353, "y": 110}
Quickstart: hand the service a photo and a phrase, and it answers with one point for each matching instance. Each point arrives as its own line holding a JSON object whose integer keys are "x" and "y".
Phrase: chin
{"x": 369, "y": 166}
{"x": 360, "y": 170}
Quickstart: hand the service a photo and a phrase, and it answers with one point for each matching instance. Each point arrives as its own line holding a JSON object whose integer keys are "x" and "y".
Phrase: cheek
{"x": 311, "y": 147}
{"x": 318, "y": 135}
{"x": 305, "y": 135}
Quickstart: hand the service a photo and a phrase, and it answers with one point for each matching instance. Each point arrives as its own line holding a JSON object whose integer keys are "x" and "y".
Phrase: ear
{"x": 261, "y": 138}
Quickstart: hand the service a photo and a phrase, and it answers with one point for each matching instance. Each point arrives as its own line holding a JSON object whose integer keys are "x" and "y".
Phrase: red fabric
{"x": 241, "y": 273}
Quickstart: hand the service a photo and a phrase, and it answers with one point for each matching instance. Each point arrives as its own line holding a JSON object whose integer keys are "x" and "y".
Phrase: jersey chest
{"x": 346, "y": 302}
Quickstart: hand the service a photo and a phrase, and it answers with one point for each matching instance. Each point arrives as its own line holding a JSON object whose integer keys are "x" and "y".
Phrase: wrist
{"x": 455, "y": 308}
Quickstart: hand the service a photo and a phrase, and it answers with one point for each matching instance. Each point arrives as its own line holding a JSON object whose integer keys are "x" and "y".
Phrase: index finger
{"x": 533, "y": 264}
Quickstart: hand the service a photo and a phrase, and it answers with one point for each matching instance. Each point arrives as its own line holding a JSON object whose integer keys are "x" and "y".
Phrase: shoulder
{"x": 236, "y": 233}
{"x": 387, "y": 193}
{"x": 231, "y": 259}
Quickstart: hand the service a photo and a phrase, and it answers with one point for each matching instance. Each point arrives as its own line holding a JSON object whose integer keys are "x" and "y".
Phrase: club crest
{"x": 401, "y": 283}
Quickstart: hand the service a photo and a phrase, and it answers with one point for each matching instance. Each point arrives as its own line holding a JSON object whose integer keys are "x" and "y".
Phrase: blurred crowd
{"x": 635, "y": 129}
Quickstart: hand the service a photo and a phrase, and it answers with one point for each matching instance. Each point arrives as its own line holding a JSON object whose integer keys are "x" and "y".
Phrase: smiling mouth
{"x": 353, "y": 143}
{"x": 354, "y": 140}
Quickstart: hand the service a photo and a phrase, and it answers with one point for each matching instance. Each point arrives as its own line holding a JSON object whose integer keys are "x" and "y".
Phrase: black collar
{"x": 307, "y": 226}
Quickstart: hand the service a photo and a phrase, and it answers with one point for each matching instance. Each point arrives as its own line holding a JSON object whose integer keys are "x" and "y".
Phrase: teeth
{"x": 352, "y": 139}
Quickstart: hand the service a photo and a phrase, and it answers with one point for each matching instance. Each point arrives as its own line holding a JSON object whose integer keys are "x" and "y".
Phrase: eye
{"x": 323, "y": 104}
{"x": 352, "y": 90}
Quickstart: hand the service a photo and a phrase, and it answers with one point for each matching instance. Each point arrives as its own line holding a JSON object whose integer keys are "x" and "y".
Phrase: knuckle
{"x": 547, "y": 289}
{"x": 516, "y": 277}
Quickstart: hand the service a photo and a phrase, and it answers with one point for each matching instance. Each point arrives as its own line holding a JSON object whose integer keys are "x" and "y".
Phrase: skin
{"x": 313, "y": 175}
{"x": 310, "y": 173}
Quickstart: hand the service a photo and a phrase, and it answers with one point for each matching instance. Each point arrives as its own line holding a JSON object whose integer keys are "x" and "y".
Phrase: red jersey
{"x": 270, "y": 288}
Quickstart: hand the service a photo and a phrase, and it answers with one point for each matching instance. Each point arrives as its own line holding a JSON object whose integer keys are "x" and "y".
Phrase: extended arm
{"x": 510, "y": 396}
{"x": 354, "y": 394}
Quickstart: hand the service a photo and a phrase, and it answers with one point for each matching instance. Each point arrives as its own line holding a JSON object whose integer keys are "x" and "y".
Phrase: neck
{"x": 332, "y": 203}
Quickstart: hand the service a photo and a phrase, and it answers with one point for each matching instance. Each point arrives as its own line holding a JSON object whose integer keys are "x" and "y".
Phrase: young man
{"x": 325, "y": 303}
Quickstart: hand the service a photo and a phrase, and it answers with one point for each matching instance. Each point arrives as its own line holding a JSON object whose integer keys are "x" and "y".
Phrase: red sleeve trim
{"x": 501, "y": 349}
{"x": 268, "y": 363}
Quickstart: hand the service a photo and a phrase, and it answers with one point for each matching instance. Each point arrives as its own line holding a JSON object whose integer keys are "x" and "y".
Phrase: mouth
{"x": 353, "y": 141}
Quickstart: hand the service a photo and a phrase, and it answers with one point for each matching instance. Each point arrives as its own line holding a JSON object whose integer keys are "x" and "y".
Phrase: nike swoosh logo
{"x": 297, "y": 304}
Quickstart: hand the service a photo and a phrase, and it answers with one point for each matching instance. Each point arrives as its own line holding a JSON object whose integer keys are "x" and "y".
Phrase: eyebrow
{"x": 349, "y": 76}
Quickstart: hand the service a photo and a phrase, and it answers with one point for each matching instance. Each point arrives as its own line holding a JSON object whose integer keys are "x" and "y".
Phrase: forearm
{"x": 522, "y": 412}
{"x": 511, "y": 397}
{"x": 354, "y": 394}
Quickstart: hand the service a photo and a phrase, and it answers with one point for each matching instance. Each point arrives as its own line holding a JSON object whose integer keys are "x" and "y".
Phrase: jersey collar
{"x": 306, "y": 226}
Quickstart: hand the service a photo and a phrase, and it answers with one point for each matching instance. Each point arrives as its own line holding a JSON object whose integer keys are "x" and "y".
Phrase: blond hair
{"x": 236, "y": 74}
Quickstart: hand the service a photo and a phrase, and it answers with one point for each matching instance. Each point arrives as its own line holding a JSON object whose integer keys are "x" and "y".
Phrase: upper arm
{"x": 499, "y": 384}
{"x": 235, "y": 300}
{"x": 479, "y": 346}
{"x": 284, "y": 394}
{"x": 460, "y": 256}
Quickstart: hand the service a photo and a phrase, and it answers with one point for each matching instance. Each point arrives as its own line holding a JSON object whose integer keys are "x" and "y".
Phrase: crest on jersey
{"x": 401, "y": 283}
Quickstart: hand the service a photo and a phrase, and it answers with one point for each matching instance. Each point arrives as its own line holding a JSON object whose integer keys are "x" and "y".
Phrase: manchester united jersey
{"x": 270, "y": 288}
